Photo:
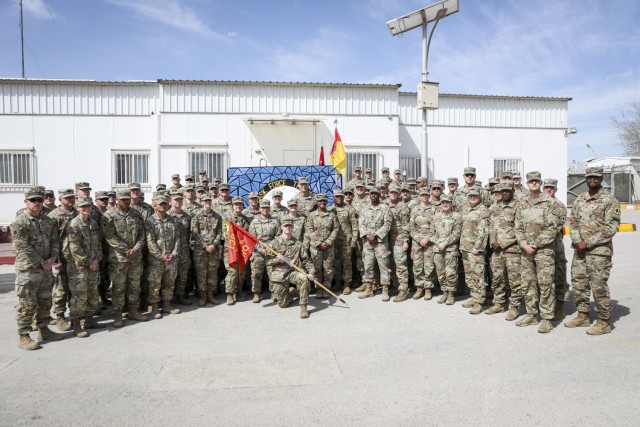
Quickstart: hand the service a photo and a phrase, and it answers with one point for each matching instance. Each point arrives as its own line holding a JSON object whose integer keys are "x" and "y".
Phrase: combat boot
{"x": 167, "y": 308}
{"x": 304, "y": 314}
{"x": 443, "y": 298}
{"x": 600, "y": 327}
{"x": 385, "y": 293}
{"x": 202, "y": 301}
{"x": 155, "y": 311}
{"x": 134, "y": 314}
{"x": 512, "y": 314}
{"x": 77, "y": 329}
{"x": 117, "y": 319}
{"x": 230, "y": 299}
{"x": 46, "y": 334}
{"x": 476, "y": 308}
{"x": 545, "y": 326}
{"x": 183, "y": 300}
{"x": 528, "y": 319}
{"x": 346, "y": 290}
{"x": 361, "y": 288}
{"x": 427, "y": 294}
{"x": 367, "y": 292}
{"x": 62, "y": 324}
{"x": 26, "y": 343}
{"x": 495, "y": 308}
{"x": 50, "y": 321}
{"x": 451, "y": 298}
{"x": 402, "y": 296}
{"x": 558, "y": 313}
{"x": 419, "y": 293}
{"x": 319, "y": 293}
{"x": 469, "y": 303}
{"x": 238, "y": 297}
{"x": 256, "y": 297}
{"x": 90, "y": 323}
{"x": 581, "y": 320}
{"x": 210, "y": 298}
{"x": 34, "y": 325}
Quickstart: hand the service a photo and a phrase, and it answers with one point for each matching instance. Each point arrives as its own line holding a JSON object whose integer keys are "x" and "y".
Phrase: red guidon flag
{"x": 241, "y": 244}
{"x": 321, "y": 161}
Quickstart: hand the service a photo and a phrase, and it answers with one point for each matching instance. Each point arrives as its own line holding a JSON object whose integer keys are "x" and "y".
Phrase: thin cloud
{"x": 39, "y": 10}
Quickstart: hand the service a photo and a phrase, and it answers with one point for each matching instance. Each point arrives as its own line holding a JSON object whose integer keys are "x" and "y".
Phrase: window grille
{"x": 365, "y": 159}
{"x": 511, "y": 165}
{"x": 412, "y": 167}
{"x": 130, "y": 166}
{"x": 213, "y": 161}
{"x": 16, "y": 168}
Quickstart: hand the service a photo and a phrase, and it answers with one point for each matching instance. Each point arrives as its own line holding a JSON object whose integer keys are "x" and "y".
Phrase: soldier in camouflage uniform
{"x": 253, "y": 210}
{"x": 223, "y": 204}
{"x": 85, "y": 253}
{"x": 206, "y": 241}
{"x": 145, "y": 210}
{"x": 299, "y": 221}
{"x": 36, "y": 245}
{"x": 469, "y": 183}
{"x": 473, "y": 244}
{"x": 360, "y": 200}
{"x": 233, "y": 281}
{"x": 305, "y": 197}
{"x": 595, "y": 219}
{"x": 123, "y": 229}
{"x": 385, "y": 180}
{"x": 320, "y": 232}
{"x": 49, "y": 200}
{"x": 183, "y": 221}
{"x": 538, "y": 221}
{"x": 399, "y": 238}
{"x": 163, "y": 241}
{"x": 290, "y": 252}
{"x": 102, "y": 203}
{"x": 357, "y": 176}
{"x": 62, "y": 216}
{"x": 519, "y": 191}
{"x": 437, "y": 187}
{"x": 374, "y": 224}
{"x": 277, "y": 210}
{"x": 190, "y": 204}
{"x": 560, "y": 275}
{"x": 420, "y": 226}
{"x": 497, "y": 276}
{"x": 346, "y": 241}
{"x": 447, "y": 227}
{"x": 265, "y": 228}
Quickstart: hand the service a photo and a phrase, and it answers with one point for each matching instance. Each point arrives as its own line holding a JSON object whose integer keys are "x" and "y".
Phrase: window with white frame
{"x": 365, "y": 159}
{"x": 412, "y": 167}
{"x": 506, "y": 164}
{"x": 212, "y": 161}
{"x": 16, "y": 168}
{"x": 130, "y": 166}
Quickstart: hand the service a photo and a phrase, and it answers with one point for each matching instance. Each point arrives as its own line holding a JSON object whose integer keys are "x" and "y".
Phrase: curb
{"x": 624, "y": 228}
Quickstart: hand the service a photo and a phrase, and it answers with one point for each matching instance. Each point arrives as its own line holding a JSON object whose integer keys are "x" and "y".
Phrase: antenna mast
{"x": 22, "y": 38}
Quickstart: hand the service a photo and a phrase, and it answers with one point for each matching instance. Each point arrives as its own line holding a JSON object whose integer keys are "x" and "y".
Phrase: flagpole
{"x": 335, "y": 126}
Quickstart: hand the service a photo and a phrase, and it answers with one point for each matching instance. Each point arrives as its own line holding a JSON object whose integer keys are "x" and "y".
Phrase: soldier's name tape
{"x": 633, "y": 207}
{"x": 623, "y": 228}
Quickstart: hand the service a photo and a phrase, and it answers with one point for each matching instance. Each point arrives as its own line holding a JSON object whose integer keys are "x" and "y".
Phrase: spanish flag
{"x": 338, "y": 156}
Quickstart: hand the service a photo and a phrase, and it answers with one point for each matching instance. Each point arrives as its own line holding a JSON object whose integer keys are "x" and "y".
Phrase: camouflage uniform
{"x": 85, "y": 246}
{"x": 190, "y": 207}
{"x": 475, "y": 233}
{"x": 282, "y": 274}
{"x": 347, "y": 235}
{"x": 299, "y": 225}
{"x": 250, "y": 214}
{"x": 265, "y": 229}
{"x": 306, "y": 204}
{"x": 183, "y": 220}
{"x": 322, "y": 227}
{"x": 233, "y": 283}
{"x": 594, "y": 219}
{"x": 504, "y": 233}
{"x": 278, "y": 212}
{"x": 446, "y": 229}
{"x": 35, "y": 239}
{"x": 62, "y": 218}
{"x": 146, "y": 210}
{"x": 398, "y": 236}
{"x": 560, "y": 274}
{"x": 376, "y": 220}
{"x": 206, "y": 229}
{"x": 224, "y": 208}
{"x": 420, "y": 226}
{"x": 163, "y": 237}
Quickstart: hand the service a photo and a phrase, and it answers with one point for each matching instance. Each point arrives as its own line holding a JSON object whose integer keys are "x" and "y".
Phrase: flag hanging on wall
{"x": 338, "y": 156}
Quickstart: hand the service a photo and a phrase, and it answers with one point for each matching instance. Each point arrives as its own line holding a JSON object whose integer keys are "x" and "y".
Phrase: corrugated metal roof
{"x": 466, "y": 95}
{"x": 76, "y": 81}
{"x": 278, "y": 83}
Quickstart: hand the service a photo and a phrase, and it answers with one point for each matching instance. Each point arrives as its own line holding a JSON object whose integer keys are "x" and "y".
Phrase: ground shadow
{"x": 618, "y": 311}
{"x": 7, "y": 283}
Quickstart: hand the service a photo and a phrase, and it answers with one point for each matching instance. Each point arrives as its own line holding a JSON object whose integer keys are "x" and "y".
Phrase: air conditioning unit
{"x": 428, "y": 96}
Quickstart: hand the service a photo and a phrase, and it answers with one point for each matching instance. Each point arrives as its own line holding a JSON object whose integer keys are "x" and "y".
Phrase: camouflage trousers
{"x": 446, "y": 264}
{"x": 61, "y": 292}
{"x": 232, "y": 282}
{"x": 342, "y": 261}
{"x": 508, "y": 267}
{"x": 589, "y": 274}
{"x": 281, "y": 289}
{"x": 474, "y": 275}
{"x": 105, "y": 283}
{"x": 498, "y": 279}
{"x": 560, "y": 274}
{"x": 423, "y": 266}
{"x": 33, "y": 288}
{"x": 85, "y": 297}
{"x": 373, "y": 253}
{"x": 162, "y": 279}
{"x": 323, "y": 264}
{"x": 399, "y": 270}
{"x": 125, "y": 279}
{"x": 206, "y": 266}
{"x": 258, "y": 266}
{"x": 537, "y": 283}
{"x": 182, "y": 272}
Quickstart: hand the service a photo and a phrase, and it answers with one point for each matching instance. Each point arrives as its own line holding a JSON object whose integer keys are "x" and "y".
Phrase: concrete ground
{"x": 412, "y": 363}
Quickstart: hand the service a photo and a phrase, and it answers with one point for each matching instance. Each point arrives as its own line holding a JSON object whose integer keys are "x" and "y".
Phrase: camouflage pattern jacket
{"x": 420, "y": 224}
{"x": 306, "y": 203}
{"x": 250, "y": 214}
{"x": 447, "y": 229}
{"x": 399, "y": 233}
{"x": 85, "y": 244}
{"x": 206, "y": 229}
{"x": 348, "y": 221}
{"x": 293, "y": 251}
{"x": 322, "y": 227}
{"x": 279, "y": 212}
{"x": 299, "y": 225}
{"x": 376, "y": 220}
{"x": 224, "y": 208}
{"x": 595, "y": 219}
{"x": 163, "y": 237}
{"x": 265, "y": 229}
{"x": 62, "y": 218}
{"x": 190, "y": 207}
{"x": 35, "y": 239}
{"x": 145, "y": 209}
{"x": 538, "y": 221}
{"x": 123, "y": 231}
{"x": 504, "y": 231}
{"x": 183, "y": 220}
{"x": 475, "y": 228}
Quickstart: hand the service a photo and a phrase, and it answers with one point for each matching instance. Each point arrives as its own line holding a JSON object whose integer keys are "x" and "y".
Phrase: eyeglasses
{"x": 469, "y": 174}
{"x": 49, "y": 196}
{"x": 104, "y": 199}
{"x": 36, "y": 200}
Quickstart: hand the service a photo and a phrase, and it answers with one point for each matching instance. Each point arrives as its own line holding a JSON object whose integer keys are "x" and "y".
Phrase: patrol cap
{"x": 224, "y": 186}
{"x": 294, "y": 202}
{"x": 347, "y": 191}
{"x": 357, "y": 169}
{"x": 66, "y": 192}
{"x": 303, "y": 180}
{"x": 452, "y": 180}
{"x": 49, "y": 192}
{"x": 265, "y": 204}
{"x": 423, "y": 191}
{"x": 217, "y": 180}
{"x": 190, "y": 187}
{"x": 321, "y": 197}
{"x": 506, "y": 186}
{"x": 397, "y": 171}
{"x": 134, "y": 186}
{"x": 123, "y": 194}
{"x": 360, "y": 183}
{"x": 411, "y": 181}
{"x": 338, "y": 193}
{"x": 404, "y": 187}
{"x": 494, "y": 180}
{"x": 594, "y": 171}
{"x": 83, "y": 186}
{"x": 252, "y": 195}
{"x": 204, "y": 179}
{"x": 111, "y": 193}
{"x": 40, "y": 187}
{"x": 385, "y": 169}
{"x": 276, "y": 193}
{"x": 201, "y": 188}
{"x": 550, "y": 182}
{"x": 102, "y": 195}
{"x": 421, "y": 179}
{"x": 534, "y": 175}
{"x": 33, "y": 193}
{"x": 394, "y": 189}
{"x": 160, "y": 198}
{"x": 161, "y": 187}
{"x": 175, "y": 175}
{"x": 506, "y": 174}
{"x": 202, "y": 172}
{"x": 83, "y": 201}
{"x": 205, "y": 196}
{"x": 368, "y": 170}
{"x": 177, "y": 194}
{"x": 473, "y": 192}
{"x": 213, "y": 186}
{"x": 374, "y": 189}
{"x": 286, "y": 221}
{"x": 237, "y": 199}
{"x": 445, "y": 198}
{"x": 470, "y": 170}
{"x": 517, "y": 175}
{"x": 436, "y": 183}
{"x": 188, "y": 177}
{"x": 496, "y": 188}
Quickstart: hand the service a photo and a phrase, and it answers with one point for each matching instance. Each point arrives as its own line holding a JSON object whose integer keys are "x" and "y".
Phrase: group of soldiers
{"x": 382, "y": 235}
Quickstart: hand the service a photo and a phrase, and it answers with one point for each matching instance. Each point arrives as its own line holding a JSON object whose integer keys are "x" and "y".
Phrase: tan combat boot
{"x": 581, "y": 320}
{"x": 230, "y": 299}
{"x": 44, "y": 333}
{"x": 346, "y": 290}
{"x": 512, "y": 314}
{"x": 117, "y": 319}
{"x": 26, "y": 343}
{"x": 385, "y": 293}
{"x": 155, "y": 311}
{"x": 528, "y": 319}
{"x": 238, "y": 297}
{"x": 210, "y": 298}
{"x": 495, "y": 308}
{"x": 77, "y": 329}
{"x": 600, "y": 327}
{"x": 167, "y": 308}
{"x": 134, "y": 314}
{"x": 183, "y": 300}
{"x": 558, "y": 313}
{"x": 476, "y": 308}
{"x": 62, "y": 324}
{"x": 451, "y": 298}
{"x": 90, "y": 323}
{"x": 319, "y": 293}
{"x": 443, "y": 298}
{"x": 367, "y": 292}
{"x": 469, "y": 303}
{"x": 304, "y": 314}
{"x": 202, "y": 300}
{"x": 361, "y": 288}
{"x": 419, "y": 293}
{"x": 427, "y": 294}
{"x": 545, "y": 326}
{"x": 402, "y": 296}
{"x": 256, "y": 297}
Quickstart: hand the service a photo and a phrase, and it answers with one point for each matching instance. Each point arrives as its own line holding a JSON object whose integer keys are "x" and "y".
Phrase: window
{"x": 16, "y": 168}
{"x": 501, "y": 165}
{"x": 130, "y": 166}
{"x": 213, "y": 161}
{"x": 364, "y": 159}
{"x": 411, "y": 165}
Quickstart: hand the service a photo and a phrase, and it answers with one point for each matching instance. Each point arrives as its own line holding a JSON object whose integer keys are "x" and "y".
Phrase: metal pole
{"x": 424, "y": 155}
{"x": 22, "y": 38}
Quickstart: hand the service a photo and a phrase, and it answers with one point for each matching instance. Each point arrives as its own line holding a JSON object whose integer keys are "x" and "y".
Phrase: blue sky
{"x": 588, "y": 50}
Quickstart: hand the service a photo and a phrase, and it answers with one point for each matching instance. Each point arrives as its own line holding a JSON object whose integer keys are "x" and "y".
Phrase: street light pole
{"x": 424, "y": 152}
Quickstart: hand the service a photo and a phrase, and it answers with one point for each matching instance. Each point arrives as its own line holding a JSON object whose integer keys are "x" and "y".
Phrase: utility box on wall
{"x": 428, "y": 96}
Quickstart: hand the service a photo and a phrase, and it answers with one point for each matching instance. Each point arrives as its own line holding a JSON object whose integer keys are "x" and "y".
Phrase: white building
{"x": 55, "y": 133}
